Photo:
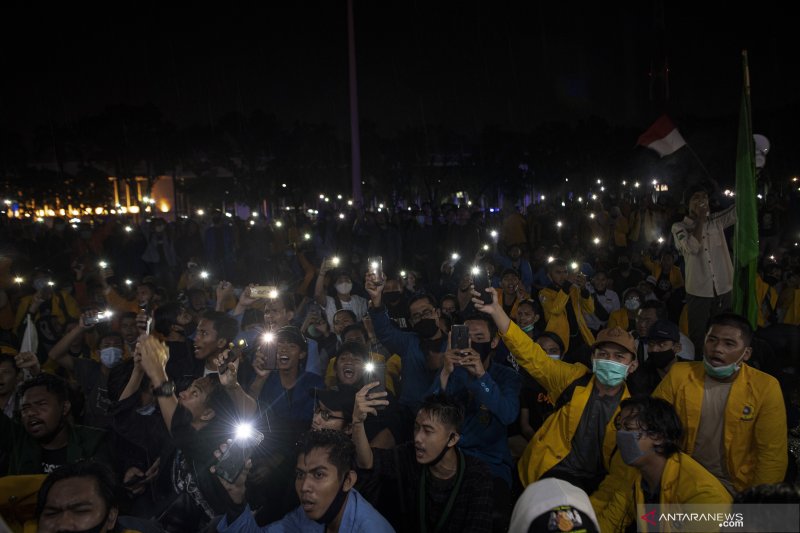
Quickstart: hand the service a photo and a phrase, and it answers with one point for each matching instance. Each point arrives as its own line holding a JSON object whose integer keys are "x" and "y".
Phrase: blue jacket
{"x": 296, "y": 404}
{"x": 359, "y": 517}
{"x": 416, "y": 376}
{"x": 492, "y": 403}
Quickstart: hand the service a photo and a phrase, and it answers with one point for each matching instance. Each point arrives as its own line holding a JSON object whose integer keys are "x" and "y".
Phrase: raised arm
{"x": 154, "y": 358}
{"x": 60, "y": 352}
{"x": 365, "y": 405}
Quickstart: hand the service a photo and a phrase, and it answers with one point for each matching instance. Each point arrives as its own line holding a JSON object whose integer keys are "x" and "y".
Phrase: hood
{"x": 544, "y": 495}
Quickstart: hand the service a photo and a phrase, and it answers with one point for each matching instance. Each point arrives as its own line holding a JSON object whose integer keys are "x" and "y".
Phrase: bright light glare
{"x": 455, "y": 257}
{"x": 369, "y": 367}
{"x": 574, "y": 265}
{"x": 493, "y": 233}
{"x": 128, "y": 229}
{"x": 550, "y": 259}
{"x": 204, "y": 274}
{"x": 597, "y": 240}
{"x": 19, "y": 279}
{"x": 335, "y": 261}
{"x": 475, "y": 271}
{"x": 128, "y": 282}
{"x": 103, "y": 264}
{"x": 244, "y": 431}
{"x": 273, "y": 294}
{"x": 268, "y": 337}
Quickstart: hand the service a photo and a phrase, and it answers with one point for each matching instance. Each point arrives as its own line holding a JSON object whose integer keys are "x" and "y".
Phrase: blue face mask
{"x": 110, "y": 356}
{"x": 528, "y": 328}
{"x": 628, "y": 446}
{"x": 721, "y": 372}
{"x": 609, "y": 373}
{"x": 147, "y": 410}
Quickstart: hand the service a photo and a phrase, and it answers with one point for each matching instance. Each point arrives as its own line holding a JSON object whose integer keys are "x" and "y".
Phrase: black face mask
{"x": 661, "y": 359}
{"x": 392, "y": 298}
{"x": 96, "y": 529}
{"x": 426, "y": 328}
{"x": 483, "y": 349}
{"x": 334, "y": 507}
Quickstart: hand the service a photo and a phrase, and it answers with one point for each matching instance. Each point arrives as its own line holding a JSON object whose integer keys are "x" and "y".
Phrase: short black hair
{"x": 735, "y": 321}
{"x": 225, "y": 325}
{"x": 166, "y": 316}
{"x": 218, "y": 399}
{"x": 557, "y": 262}
{"x": 286, "y": 297}
{"x": 555, "y": 337}
{"x": 444, "y": 408}
{"x": 340, "y": 447}
{"x": 660, "y": 308}
{"x": 692, "y": 190}
{"x": 50, "y": 382}
{"x": 348, "y": 312}
{"x": 657, "y": 417}
{"x": 534, "y": 304}
{"x": 355, "y": 348}
{"x": 356, "y": 327}
{"x": 5, "y": 358}
{"x": 449, "y": 296}
{"x": 107, "y": 486}
{"x": 424, "y": 296}
{"x": 477, "y": 315}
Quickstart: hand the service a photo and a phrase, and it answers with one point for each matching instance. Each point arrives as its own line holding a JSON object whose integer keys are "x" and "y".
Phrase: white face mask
{"x": 344, "y": 287}
{"x": 110, "y": 356}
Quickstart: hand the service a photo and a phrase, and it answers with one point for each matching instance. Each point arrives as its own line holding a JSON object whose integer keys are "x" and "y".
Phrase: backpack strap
{"x": 566, "y": 395}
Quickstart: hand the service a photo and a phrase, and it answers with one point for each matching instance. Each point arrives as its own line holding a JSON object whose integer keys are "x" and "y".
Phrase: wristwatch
{"x": 165, "y": 389}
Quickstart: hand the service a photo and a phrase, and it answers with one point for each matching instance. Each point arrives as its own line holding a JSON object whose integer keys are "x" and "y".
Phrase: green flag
{"x": 745, "y": 237}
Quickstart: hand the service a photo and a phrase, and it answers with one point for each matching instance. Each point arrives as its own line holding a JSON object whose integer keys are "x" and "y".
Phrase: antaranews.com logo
{"x": 708, "y": 518}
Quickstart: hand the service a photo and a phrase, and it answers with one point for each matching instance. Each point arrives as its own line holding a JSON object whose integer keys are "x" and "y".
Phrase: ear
{"x": 221, "y": 343}
{"x": 453, "y": 440}
{"x": 349, "y": 480}
{"x": 290, "y": 314}
{"x": 66, "y": 407}
{"x": 633, "y": 366}
{"x": 747, "y": 353}
{"x": 495, "y": 342}
{"x": 348, "y": 429}
{"x": 303, "y": 355}
{"x": 677, "y": 348}
{"x": 208, "y": 415}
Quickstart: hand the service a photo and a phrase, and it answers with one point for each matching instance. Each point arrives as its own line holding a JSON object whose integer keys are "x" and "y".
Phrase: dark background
{"x": 490, "y": 84}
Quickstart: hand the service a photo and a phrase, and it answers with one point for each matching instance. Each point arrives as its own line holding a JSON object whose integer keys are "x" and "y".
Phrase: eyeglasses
{"x": 428, "y": 313}
{"x": 326, "y": 415}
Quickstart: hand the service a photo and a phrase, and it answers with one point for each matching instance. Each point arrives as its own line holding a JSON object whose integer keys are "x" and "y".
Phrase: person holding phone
{"x": 490, "y": 393}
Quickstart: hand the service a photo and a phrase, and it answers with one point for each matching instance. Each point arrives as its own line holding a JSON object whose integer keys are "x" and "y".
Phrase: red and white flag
{"x": 662, "y": 136}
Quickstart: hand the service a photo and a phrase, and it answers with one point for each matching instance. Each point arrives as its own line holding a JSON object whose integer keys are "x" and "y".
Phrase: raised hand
{"x": 236, "y": 490}
{"x": 366, "y": 403}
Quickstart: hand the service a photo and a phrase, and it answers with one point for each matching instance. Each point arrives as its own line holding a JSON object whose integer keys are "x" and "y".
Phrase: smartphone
{"x": 236, "y": 350}
{"x": 377, "y": 372}
{"x": 264, "y": 292}
{"x": 376, "y": 268}
{"x": 480, "y": 282}
{"x": 96, "y": 318}
{"x": 231, "y": 464}
{"x": 459, "y": 337}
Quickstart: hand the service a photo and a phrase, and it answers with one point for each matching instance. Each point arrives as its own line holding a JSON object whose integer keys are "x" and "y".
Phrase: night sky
{"x": 462, "y": 64}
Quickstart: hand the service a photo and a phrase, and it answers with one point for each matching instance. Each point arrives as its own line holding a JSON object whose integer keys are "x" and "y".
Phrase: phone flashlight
{"x": 128, "y": 282}
{"x": 273, "y": 293}
{"x": 103, "y": 264}
{"x": 19, "y": 279}
{"x": 476, "y": 271}
{"x": 455, "y": 257}
{"x": 559, "y": 224}
{"x": 51, "y": 283}
{"x": 493, "y": 233}
{"x": 268, "y": 337}
{"x": 574, "y": 265}
{"x": 402, "y": 274}
{"x": 660, "y": 240}
{"x": 597, "y": 240}
{"x": 204, "y": 274}
{"x": 335, "y": 261}
{"x": 128, "y": 229}
{"x": 369, "y": 367}
{"x": 485, "y": 247}
{"x": 244, "y": 431}
{"x": 550, "y": 259}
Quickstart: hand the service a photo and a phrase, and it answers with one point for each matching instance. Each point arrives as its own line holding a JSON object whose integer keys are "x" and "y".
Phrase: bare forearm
{"x": 363, "y": 451}
{"x": 244, "y": 402}
{"x": 133, "y": 384}
{"x": 58, "y": 353}
{"x": 319, "y": 290}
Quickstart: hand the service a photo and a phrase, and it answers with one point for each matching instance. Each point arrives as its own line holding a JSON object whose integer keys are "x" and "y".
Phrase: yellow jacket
{"x": 755, "y": 440}
{"x": 791, "y": 303}
{"x": 684, "y": 481}
{"x": 555, "y": 304}
{"x": 762, "y": 290}
{"x": 619, "y": 319}
{"x": 675, "y": 276}
{"x": 62, "y": 313}
{"x": 552, "y": 443}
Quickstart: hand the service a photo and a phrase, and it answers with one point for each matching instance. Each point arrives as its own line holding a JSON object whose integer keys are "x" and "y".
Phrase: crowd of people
{"x": 425, "y": 368}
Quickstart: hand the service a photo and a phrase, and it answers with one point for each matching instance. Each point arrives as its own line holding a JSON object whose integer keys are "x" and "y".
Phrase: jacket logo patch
{"x": 748, "y": 413}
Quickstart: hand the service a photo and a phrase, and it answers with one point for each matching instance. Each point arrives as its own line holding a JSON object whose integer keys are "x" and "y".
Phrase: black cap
{"x": 664, "y": 330}
{"x": 337, "y": 399}
{"x": 293, "y": 335}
